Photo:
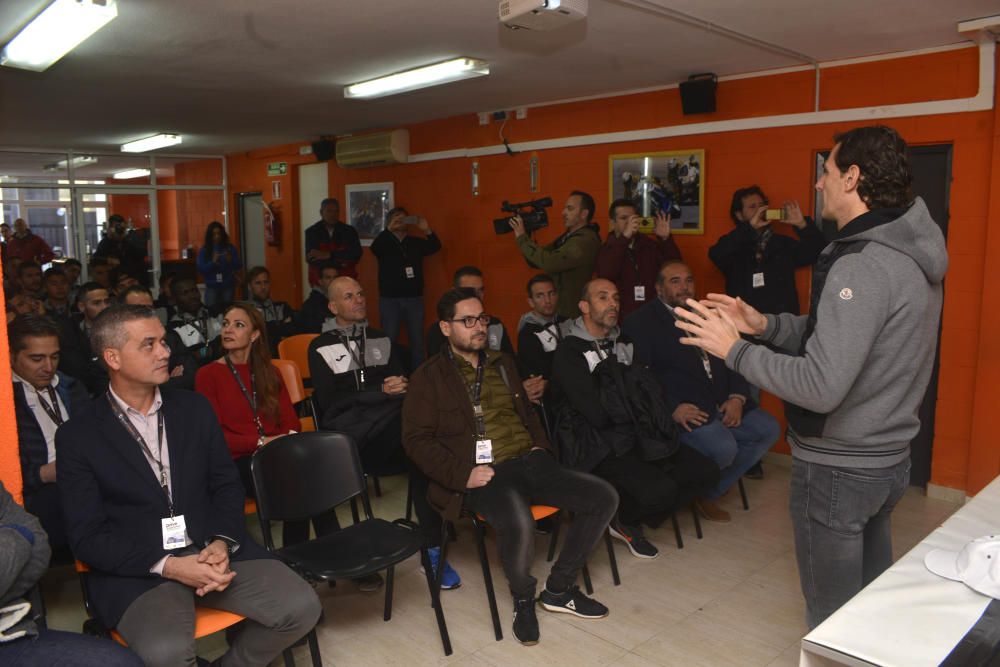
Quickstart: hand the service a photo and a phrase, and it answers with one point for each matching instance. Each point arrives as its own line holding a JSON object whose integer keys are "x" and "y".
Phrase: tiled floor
{"x": 731, "y": 598}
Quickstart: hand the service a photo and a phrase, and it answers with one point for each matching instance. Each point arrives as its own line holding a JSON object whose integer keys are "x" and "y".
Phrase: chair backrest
{"x": 302, "y": 475}
{"x": 296, "y": 348}
{"x": 290, "y": 375}
{"x": 307, "y": 424}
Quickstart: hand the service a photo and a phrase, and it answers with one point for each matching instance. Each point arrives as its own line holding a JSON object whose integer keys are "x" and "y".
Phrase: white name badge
{"x": 218, "y": 277}
{"x": 409, "y": 271}
{"x": 640, "y": 292}
{"x": 173, "y": 532}
{"x": 484, "y": 451}
{"x": 758, "y": 279}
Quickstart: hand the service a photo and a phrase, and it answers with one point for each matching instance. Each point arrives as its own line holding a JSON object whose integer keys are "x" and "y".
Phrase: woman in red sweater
{"x": 245, "y": 390}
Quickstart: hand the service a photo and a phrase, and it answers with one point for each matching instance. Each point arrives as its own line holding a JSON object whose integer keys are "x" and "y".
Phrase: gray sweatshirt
{"x": 856, "y": 381}
{"x": 22, "y": 564}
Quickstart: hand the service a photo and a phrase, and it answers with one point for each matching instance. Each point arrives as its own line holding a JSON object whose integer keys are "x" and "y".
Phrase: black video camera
{"x": 532, "y": 214}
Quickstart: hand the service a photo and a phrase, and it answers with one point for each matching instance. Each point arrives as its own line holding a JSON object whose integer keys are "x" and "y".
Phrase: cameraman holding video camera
{"x": 570, "y": 258}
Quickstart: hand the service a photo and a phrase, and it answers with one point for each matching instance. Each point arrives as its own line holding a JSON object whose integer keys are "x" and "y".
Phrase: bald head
{"x": 346, "y": 300}
{"x": 599, "y": 305}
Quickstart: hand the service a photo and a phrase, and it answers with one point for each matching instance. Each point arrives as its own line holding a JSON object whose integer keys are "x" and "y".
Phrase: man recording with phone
{"x": 570, "y": 258}
{"x": 631, "y": 259}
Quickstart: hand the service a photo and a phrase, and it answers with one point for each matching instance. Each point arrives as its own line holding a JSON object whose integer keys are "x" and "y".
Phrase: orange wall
{"x": 780, "y": 160}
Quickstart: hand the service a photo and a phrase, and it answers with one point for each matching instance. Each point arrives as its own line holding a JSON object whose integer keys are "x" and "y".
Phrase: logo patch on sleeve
{"x": 846, "y": 294}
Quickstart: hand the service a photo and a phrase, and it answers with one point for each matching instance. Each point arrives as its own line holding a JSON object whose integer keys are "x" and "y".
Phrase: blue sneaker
{"x": 449, "y": 578}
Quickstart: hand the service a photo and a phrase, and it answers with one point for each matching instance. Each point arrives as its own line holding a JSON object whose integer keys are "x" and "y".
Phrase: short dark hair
{"x": 98, "y": 261}
{"x": 540, "y": 278}
{"x": 880, "y": 154}
{"x": 465, "y": 271}
{"x": 736, "y": 206}
{"x": 29, "y": 326}
{"x": 72, "y": 261}
{"x": 329, "y": 200}
{"x": 586, "y": 201}
{"x": 183, "y": 280}
{"x": 87, "y": 288}
{"x": 446, "y": 304}
{"x": 256, "y": 271}
{"x": 621, "y": 203}
{"x": 329, "y": 264}
{"x": 394, "y": 210}
{"x": 134, "y": 289}
{"x": 669, "y": 262}
{"x": 107, "y": 329}
{"x": 24, "y": 266}
{"x": 54, "y": 271}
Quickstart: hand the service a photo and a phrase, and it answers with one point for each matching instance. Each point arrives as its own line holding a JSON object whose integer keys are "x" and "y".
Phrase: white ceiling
{"x": 232, "y": 75}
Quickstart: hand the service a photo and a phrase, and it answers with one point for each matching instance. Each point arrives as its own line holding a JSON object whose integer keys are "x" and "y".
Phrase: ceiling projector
{"x": 541, "y": 14}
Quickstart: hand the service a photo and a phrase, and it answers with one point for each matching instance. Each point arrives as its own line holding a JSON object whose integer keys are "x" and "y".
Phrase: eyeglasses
{"x": 469, "y": 321}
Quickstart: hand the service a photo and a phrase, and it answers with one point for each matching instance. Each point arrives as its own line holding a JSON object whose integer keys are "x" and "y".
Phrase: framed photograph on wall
{"x": 671, "y": 181}
{"x": 368, "y": 206}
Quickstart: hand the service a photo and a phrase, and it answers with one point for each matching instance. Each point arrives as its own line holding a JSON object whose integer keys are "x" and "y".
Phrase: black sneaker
{"x": 572, "y": 602}
{"x": 633, "y": 538}
{"x": 525, "y": 621}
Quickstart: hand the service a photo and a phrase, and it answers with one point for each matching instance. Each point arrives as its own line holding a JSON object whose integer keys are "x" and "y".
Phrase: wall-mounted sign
{"x": 277, "y": 168}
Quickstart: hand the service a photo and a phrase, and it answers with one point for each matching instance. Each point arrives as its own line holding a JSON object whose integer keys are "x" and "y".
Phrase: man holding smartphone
{"x": 400, "y": 256}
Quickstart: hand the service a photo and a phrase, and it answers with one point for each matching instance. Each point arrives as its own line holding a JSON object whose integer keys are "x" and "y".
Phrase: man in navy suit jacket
{"x": 710, "y": 403}
{"x": 154, "y": 506}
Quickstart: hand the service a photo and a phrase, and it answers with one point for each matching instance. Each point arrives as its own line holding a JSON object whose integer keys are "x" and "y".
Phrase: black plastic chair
{"x": 304, "y": 474}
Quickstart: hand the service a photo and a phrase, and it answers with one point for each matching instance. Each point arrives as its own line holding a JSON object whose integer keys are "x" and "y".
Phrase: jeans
{"x": 651, "y": 490}
{"x": 218, "y": 296}
{"x": 53, "y": 648}
{"x": 734, "y": 450}
{"x": 536, "y": 479}
{"x": 392, "y": 311}
{"x": 842, "y": 521}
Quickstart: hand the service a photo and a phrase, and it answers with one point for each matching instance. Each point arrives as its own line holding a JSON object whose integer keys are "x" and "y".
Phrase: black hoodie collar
{"x": 869, "y": 220}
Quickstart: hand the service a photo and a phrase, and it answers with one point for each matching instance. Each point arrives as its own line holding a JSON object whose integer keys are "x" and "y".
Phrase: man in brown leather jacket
{"x": 469, "y": 427}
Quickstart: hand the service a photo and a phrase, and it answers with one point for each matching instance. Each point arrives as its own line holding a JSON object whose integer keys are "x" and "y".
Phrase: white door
{"x": 314, "y": 187}
{"x": 252, "y": 230}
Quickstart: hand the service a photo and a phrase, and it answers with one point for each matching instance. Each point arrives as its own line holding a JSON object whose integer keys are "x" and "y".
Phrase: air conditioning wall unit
{"x": 368, "y": 150}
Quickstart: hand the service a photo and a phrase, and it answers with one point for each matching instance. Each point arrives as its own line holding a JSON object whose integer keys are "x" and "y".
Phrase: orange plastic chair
{"x": 207, "y": 621}
{"x": 296, "y": 348}
{"x": 292, "y": 377}
{"x": 249, "y": 506}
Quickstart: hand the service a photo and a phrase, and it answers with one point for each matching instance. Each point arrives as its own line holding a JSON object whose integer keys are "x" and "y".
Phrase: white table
{"x": 909, "y": 617}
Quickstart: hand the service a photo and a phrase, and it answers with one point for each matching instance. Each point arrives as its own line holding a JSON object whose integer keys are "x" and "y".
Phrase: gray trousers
{"x": 279, "y": 605}
{"x": 842, "y": 523}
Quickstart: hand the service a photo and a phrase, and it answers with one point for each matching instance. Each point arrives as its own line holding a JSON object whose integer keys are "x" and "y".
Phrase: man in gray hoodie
{"x": 24, "y": 639}
{"x": 854, "y": 371}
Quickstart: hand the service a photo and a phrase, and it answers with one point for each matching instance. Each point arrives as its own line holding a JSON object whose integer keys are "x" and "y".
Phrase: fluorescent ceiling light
{"x": 78, "y": 161}
{"x": 151, "y": 143}
{"x": 131, "y": 173}
{"x": 422, "y": 77}
{"x": 59, "y": 29}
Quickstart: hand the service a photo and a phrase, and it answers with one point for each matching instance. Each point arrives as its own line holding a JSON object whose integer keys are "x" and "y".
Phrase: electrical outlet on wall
{"x": 484, "y": 117}
{"x": 521, "y": 113}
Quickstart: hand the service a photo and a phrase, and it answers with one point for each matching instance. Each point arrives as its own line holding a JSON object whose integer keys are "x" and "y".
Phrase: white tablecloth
{"x": 908, "y": 616}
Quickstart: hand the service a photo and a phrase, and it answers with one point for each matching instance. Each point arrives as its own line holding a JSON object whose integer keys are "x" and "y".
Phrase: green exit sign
{"x": 277, "y": 168}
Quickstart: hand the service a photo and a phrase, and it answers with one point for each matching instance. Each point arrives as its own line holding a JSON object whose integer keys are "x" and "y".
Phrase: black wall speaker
{"x": 698, "y": 94}
{"x": 324, "y": 149}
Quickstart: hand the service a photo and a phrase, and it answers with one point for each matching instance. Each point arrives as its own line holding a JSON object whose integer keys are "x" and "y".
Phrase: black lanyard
{"x": 51, "y": 410}
{"x": 603, "y": 354}
{"x": 251, "y": 396}
{"x": 556, "y": 331}
{"x": 706, "y": 362}
{"x": 134, "y": 432}
{"x": 359, "y": 358}
{"x": 475, "y": 391}
{"x": 635, "y": 260}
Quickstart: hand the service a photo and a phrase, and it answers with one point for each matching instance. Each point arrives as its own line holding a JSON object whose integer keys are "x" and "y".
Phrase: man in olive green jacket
{"x": 570, "y": 258}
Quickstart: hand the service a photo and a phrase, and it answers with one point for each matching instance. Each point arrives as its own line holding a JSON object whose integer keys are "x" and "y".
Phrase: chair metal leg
{"x": 354, "y": 510}
{"x": 314, "y": 648}
{"x": 554, "y": 537}
{"x": 409, "y": 499}
{"x": 743, "y": 494}
{"x": 677, "y": 530}
{"x": 389, "y": 577}
{"x": 434, "y": 588}
{"x": 697, "y": 522}
{"x": 612, "y": 560}
{"x": 378, "y": 487}
{"x": 487, "y": 577}
{"x": 288, "y": 658}
{"x": 586, "y": 579}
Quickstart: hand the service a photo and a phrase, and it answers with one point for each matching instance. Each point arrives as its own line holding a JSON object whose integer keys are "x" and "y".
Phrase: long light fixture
{"x": 151, "y": 143}
{"x": 59, "y": 29}
{"x": 421, "y": 77}
{"x": 78, "y": 161}
{"x": 131, "y": 173}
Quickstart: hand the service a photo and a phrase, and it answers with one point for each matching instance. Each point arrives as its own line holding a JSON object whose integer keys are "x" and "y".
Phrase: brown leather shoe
{"x": 710, "y": 511}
